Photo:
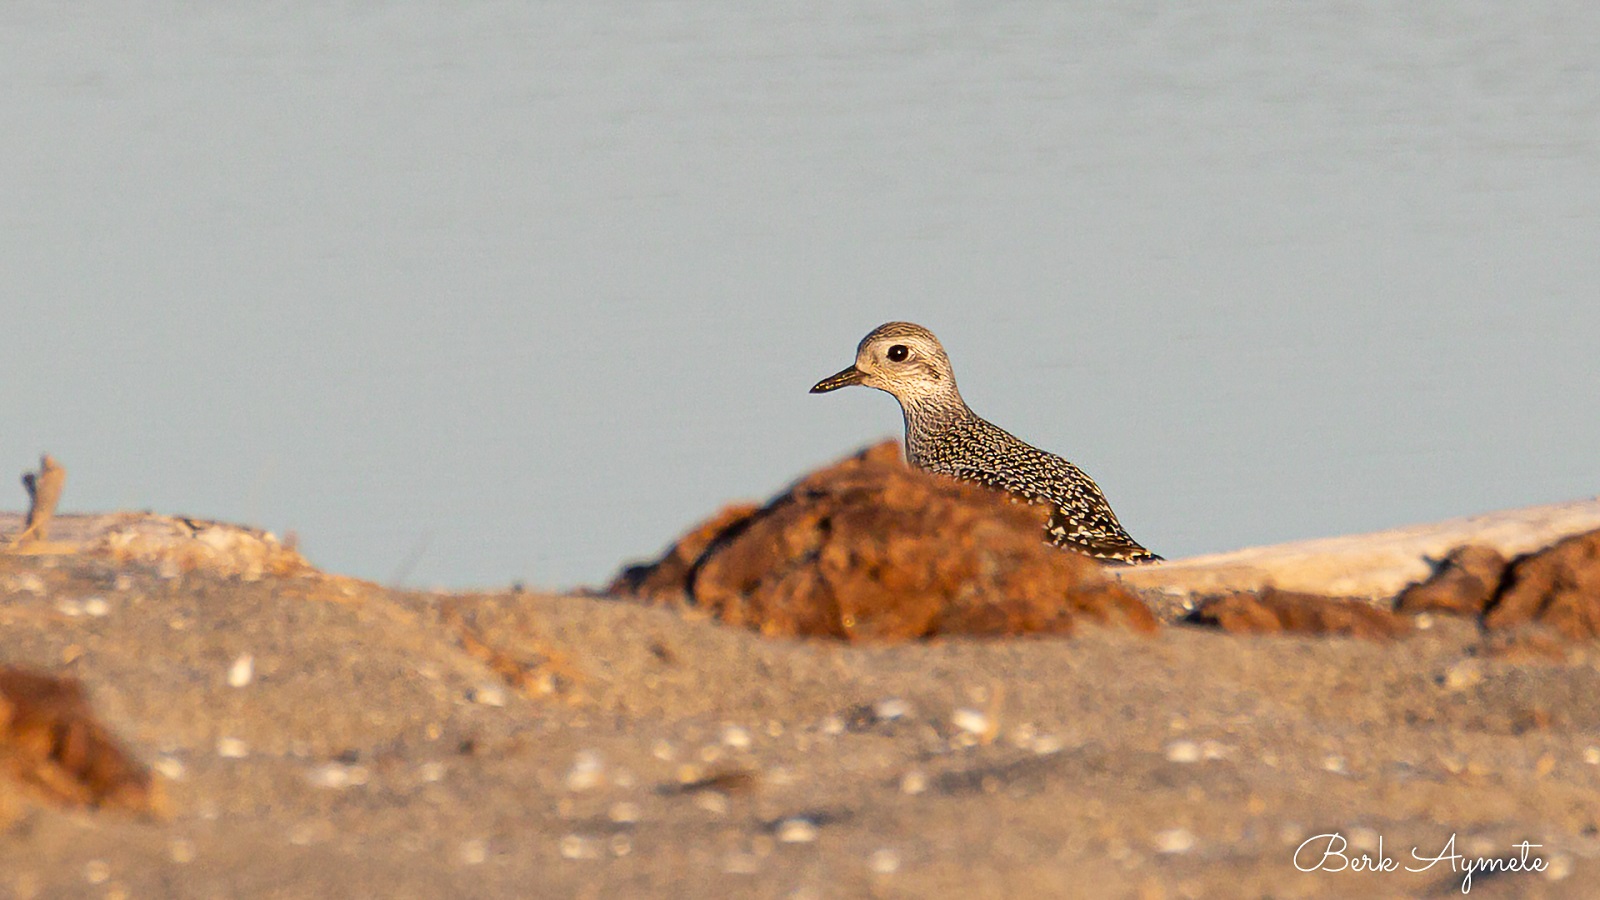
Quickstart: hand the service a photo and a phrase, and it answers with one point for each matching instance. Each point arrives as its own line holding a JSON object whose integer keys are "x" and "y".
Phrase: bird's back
{"x": 974, "y": 449}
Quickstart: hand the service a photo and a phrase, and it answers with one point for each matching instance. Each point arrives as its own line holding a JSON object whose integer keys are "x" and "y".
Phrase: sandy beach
{"x": 308, "y": 735}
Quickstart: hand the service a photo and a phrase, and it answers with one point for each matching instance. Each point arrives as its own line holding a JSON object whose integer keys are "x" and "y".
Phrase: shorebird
{"x": 944, "y": 435}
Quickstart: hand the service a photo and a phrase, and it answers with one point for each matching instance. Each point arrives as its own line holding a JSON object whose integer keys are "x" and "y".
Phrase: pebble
{"x": 181, "y": 850}
{"x": 797, "y": 831}
{"x": 714, "y": 802}
{"x": 1557, "y": 867}
{"x": 588, "y": 771}
{"x": 663, "y": 750}
{"x": 884, "y": 861}
{"x": 243, "y": 671}
{"x": 488, "y": 694}
{"x": 96, "y": 607}
{"x": 1463, "y": 675}
{"x": 1591, "y": 755}
{"x": 624, "y": 812}
{"x": 1046, "y": 744}
{"x": 621, "y": 845}
{"x": 474, "y": 852}
{"x": 168, "y": 768}
{"x": 1334, "y": 764}
{"x": 832, "y": 725}
{"x": 1174, "y": 840}
{"x": 232, "y": 748}
{"x": 891, "y": 708}
{"x": 96, "y": 871}
{"x": 336, "y": 776}
{"x": 970, "y": 720}
{"x": 577, "y": 846}
{"x": 1183, "y": 752}
{"x": 736, "y": 737}
{"x": 914, "y": 782}
{"x": 431, "y": 771}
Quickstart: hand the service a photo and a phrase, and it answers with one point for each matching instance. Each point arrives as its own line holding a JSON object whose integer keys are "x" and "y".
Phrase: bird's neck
{"x": 930, "y": 415}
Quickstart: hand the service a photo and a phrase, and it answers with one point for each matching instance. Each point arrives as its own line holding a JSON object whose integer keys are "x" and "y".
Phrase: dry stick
{"x": 44, "y": 490}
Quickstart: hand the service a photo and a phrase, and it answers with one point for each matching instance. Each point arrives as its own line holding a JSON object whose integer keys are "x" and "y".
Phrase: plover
{"x": 943, "y": 435}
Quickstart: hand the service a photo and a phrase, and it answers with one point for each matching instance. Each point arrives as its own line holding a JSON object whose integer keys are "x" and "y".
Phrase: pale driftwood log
{"x": 1374, "y": 566}
{"x": 44, "y": 491}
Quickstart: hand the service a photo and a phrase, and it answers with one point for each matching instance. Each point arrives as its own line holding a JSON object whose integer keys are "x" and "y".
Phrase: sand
{"x": 319, "y": 737}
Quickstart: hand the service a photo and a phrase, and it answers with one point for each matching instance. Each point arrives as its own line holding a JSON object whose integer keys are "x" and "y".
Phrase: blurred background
{"x": 467, "y": 293}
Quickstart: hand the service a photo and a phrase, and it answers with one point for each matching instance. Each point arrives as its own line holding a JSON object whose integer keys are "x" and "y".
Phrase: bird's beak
{"x": 844, "y": 378}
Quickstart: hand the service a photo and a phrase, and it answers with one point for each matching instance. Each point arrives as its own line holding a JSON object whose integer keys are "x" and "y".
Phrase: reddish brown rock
{"x": 667, "y": 578}
{"x": 1558, "y": 587}
{"x": 50, "y": 740}
{"x": 1272, "y": 611}
{"x": 870, "y": 549}
{"x": 1463, "y": 583}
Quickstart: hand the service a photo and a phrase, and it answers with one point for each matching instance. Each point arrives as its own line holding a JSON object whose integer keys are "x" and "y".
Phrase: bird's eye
{"x": 898, "y": 353}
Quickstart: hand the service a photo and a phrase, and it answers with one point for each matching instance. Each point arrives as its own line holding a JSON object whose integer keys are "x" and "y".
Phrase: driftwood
{"x": 1373, "y": 567}
{"x": 174, "y": 543}
{"x": 44, "y": 491}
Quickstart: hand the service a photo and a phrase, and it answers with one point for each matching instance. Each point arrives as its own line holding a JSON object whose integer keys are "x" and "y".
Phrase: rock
{"x": 871, "y": 549}
{"x": 1272, "y": 611}
{"x": 667, "y": 578}
{"x": 1558, "y": 587}
{"x": 1463, "y": 583}
{"x": 50, "y": 740}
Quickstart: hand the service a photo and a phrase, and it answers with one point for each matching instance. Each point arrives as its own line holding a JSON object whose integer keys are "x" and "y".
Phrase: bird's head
{"x": 901, "y": 358}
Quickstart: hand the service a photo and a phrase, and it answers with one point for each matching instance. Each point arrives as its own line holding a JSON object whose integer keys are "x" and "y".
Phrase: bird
{"x": 945, "y": 436}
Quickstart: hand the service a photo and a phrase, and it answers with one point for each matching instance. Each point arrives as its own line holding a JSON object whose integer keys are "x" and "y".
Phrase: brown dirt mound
{"x": 1273, "y": 611}
{"x": 1558, "y": 587}
{"x": 871, "y": 549}
{"x": 50, "y": 740}
{"x": 1463, "y": 583}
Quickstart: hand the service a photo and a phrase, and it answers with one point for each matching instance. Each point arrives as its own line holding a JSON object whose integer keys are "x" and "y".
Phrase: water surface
{"x": 468, "y": 293}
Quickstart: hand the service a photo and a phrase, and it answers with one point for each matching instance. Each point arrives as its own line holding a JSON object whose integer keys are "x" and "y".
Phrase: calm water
{"x": 468, "y": 293}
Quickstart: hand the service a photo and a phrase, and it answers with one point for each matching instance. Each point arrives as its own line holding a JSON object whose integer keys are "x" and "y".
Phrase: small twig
{"x": 409, "y": 561}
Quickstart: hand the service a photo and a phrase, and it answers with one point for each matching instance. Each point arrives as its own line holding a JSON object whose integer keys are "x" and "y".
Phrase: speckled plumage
{"x": 944, "y": 435}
